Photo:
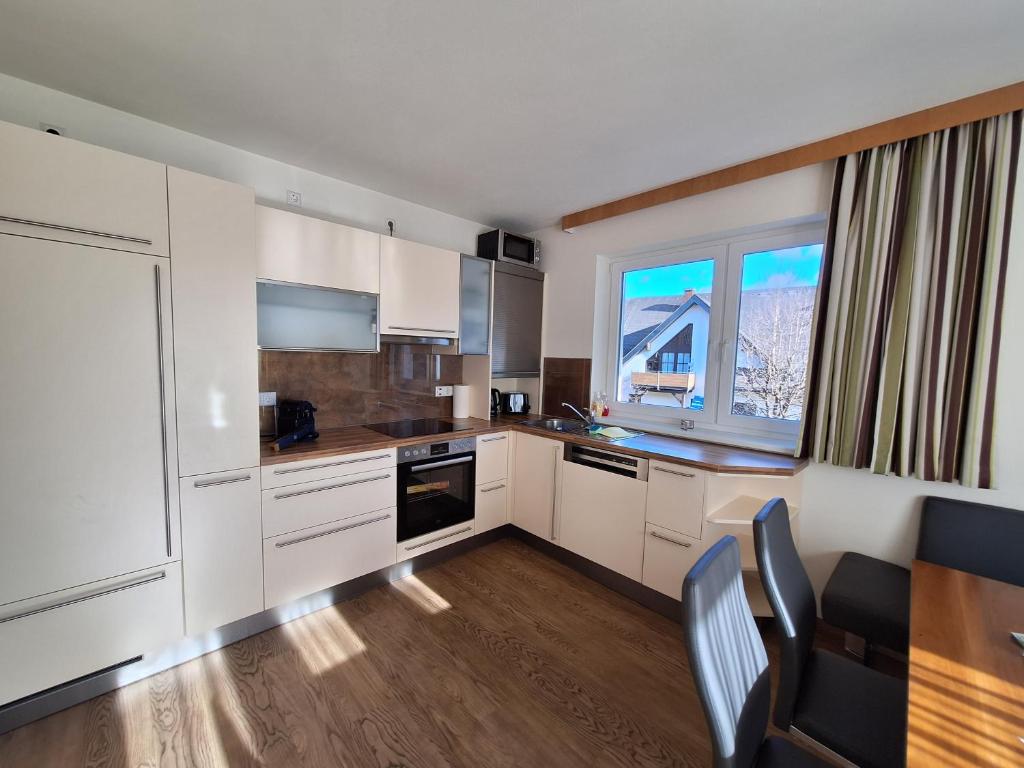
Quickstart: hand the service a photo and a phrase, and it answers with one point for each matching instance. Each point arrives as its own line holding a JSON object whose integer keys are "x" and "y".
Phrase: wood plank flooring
{"x": 499, "y": 657}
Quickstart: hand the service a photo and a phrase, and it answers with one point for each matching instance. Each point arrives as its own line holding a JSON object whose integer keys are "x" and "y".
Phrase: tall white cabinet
{"x": 212, "y": 234}
{"x": 90, "y": 542}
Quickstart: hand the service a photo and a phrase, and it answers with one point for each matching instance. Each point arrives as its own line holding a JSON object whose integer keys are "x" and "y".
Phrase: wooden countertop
{"x": 966, "y": 681}
{"x": 691, "y": 453}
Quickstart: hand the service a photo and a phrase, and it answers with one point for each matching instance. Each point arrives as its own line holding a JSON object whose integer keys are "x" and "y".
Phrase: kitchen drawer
{"x": 491, "y": 458}
{"x": 82, "y": 630}
{"x": 301, "y": 563}
{"x": 668, "y": 557}
{"x": 293, "y": 472}
{"x": 84, "y": 194}
{"x": 675, "y": 498}
{"x": 295, "y": 507}
{"x": 491, "y": 506}
{"x": 435, "y": 540}
{"x": 221, "y": 548}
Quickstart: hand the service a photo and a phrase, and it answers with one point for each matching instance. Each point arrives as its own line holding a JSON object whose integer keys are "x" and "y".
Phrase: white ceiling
{"x": 514, "y": 112}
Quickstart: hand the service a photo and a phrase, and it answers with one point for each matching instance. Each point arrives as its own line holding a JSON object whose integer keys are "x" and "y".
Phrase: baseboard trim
{"x": 634, "y": 590}
{"x": 37, "y": 706}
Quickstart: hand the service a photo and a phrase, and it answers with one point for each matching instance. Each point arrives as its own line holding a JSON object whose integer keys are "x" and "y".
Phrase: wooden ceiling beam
{"x": 996, "y": 102}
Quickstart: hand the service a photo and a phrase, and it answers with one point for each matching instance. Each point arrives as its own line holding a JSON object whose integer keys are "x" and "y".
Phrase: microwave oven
{"x": 499, "y": 245}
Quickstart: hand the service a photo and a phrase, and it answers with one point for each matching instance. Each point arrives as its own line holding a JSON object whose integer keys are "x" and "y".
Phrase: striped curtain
{"x": 905, "y": 346}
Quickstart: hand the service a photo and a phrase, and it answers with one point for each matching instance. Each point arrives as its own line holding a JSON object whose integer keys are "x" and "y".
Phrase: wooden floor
{"x": 500, "y": 657}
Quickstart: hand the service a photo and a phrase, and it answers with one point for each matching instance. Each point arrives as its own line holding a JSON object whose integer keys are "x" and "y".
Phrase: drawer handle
{"x": 330, "y": 464}
{"x": 225, "y": 481}
{"x": 348, "y": 527}
{"x": 439, "y": 538}
{"x": 492, "y": 439}
{"x": 83, "y": 598}
{"x": 492, "y": 488}
{"x": 331, "y": 487}
{"x": 674, "y": 472}
{"x": 76, "y": 230}
{"x": 657, "y": 535}
{"x": 428, "y": 330}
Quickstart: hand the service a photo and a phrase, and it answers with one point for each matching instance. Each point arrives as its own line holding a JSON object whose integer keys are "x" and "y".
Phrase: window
{"x": 718, "y": 333}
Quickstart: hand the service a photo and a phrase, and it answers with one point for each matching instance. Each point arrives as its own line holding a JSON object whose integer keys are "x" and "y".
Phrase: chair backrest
{"x": 727, "y": 656}
{"x": 978, "y": 538}
{"x": 791, "y": 596}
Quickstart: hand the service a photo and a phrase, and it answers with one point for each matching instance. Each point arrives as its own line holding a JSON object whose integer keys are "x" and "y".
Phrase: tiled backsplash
{"x": 349, "y": 388}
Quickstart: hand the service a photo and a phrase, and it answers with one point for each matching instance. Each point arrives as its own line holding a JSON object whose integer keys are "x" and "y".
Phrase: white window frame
{"x": 716, "y": 420}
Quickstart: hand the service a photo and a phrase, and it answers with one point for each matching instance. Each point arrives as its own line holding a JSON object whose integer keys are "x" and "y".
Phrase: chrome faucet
{"x": 589, "y": 419}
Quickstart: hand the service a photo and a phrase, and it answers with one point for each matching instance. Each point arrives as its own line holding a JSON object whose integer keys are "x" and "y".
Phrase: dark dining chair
{"x": 870, "y": 598}
{"x": 730, "y": 665}
{"x": 854, "y": 711}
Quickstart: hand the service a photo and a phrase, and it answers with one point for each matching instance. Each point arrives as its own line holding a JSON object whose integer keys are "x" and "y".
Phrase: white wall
{"x": 843, "y": 509}
{"x": 28, "y": 104}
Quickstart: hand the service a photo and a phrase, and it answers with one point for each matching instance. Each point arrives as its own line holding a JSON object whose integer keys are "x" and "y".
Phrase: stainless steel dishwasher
{"x": 603, "y": 510}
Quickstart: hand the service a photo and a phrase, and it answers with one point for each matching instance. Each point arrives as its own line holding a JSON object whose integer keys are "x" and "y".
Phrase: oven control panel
{"x": 435, "y": 450}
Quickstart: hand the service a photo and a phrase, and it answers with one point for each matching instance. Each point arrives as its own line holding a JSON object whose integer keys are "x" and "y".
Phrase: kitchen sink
{"x": 557, "y": 425}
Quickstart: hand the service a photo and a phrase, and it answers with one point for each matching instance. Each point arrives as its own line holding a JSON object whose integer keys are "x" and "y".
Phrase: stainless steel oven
{"x": 436, "y": 486}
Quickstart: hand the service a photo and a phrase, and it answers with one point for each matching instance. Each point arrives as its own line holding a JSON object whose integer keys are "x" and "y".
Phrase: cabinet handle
{"x": 439, "y": 538}
{"x": 492, "y": 488}
{"x": 427, "y": 330}
{"x": 554, "y": 487}
{"x": 163, "y": 402}
{"x": 439, "y": 464}
{"x": 492, "y": 439}
{"x": 657, "y": 535}
{"x": 83, "y": 598}
{"x": 673, "y": 472}
{"x": 76, "y": 230}
{"x": 289, "y": 470}
{"x": 225, "y": 481}
{"x": 348, "y": 527}
{"x": 331, "y": 487}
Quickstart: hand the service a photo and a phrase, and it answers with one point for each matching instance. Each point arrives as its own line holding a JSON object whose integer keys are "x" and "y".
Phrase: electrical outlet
{"x": 268, "y": 398}
{"x": 443, "y": 391}
{"x": 294, "y": 198}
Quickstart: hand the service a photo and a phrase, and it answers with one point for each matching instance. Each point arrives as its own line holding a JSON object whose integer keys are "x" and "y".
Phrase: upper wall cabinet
{"x": 419, "y": 289}
{"x": 292, "y": 248}
{"x": 60, "y": 189}
{"x": 214, "y": 292}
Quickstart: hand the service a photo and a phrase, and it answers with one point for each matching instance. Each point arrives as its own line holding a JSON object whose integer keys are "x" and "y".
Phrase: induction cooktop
{"x": 413, "y": 428}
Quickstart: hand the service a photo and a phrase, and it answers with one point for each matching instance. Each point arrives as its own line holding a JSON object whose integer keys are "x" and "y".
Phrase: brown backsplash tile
{"x": 566, "y": 380}
{"x": 351, "y": 388}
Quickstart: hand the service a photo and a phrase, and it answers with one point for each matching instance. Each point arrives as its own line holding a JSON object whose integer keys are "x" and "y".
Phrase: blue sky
{"x": 767, "y": 269}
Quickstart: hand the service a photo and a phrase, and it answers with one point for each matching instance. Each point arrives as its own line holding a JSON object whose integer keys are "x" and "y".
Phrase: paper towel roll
{"x": 460, "y": 401}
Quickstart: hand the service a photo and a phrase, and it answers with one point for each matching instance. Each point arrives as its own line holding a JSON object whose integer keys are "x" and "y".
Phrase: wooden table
{"x": 966, "y": 685}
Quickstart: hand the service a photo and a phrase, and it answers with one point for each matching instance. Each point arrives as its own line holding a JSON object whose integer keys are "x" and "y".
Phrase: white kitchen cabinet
{"x": 293, "y": 248}
{"x": 214, "y": 290}
{"x": 222, "y": 548}
{"x": 492, "y": 458}
{"x": 301, "y": 563}
{"x": 491, "y": 506}
{"x": 668, "y": 557}
{"x": 89, "y": 481}
{"x": 602, "y": 518}
{"x": 61, "y": 189}
{"x": 675, "y": 497}
{"x": 60, "y": 636}
{"x": 428, "y": 542}
{"x": 419, "y": 289}
{"x": 536, "y": 484}
{"x": 296, "y": 507}
{"x": 308, "y": 470}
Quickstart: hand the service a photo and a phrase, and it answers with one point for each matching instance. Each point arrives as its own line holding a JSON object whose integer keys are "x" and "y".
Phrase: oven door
{"x": 435, "y": 493}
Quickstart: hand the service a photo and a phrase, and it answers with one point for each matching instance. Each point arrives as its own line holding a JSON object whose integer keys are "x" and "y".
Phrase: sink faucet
{"x": 587, "y": 418}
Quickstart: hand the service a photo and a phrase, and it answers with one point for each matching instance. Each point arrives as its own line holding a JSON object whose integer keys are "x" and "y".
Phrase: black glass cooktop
{"x": 413, "y": 427}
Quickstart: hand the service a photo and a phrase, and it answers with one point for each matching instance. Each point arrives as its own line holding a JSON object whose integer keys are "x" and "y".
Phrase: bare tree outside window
{"x": 774, "y": 332}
